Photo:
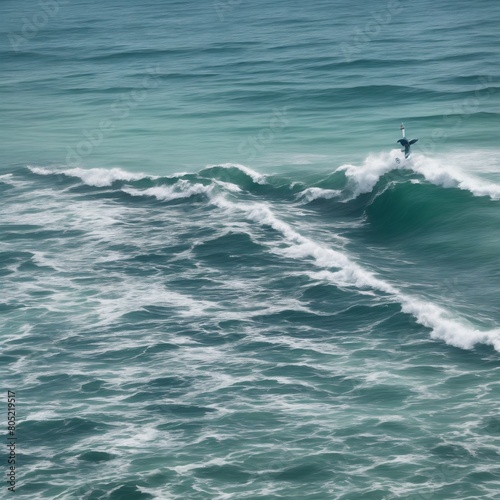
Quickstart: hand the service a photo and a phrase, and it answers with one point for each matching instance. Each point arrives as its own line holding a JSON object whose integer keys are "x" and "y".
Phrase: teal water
{"x": 220, "y": 278}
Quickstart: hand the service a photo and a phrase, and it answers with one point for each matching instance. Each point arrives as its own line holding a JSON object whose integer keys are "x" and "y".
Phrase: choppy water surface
{"x": 221, "y": 280}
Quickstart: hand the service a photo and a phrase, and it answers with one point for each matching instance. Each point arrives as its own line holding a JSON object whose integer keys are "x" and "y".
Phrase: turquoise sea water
{"x": 219, "y": 277}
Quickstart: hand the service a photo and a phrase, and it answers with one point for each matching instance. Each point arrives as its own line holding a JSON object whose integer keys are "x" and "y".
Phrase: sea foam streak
{"x": 98, "y": 177}
{"x": 349, "y": 274}
{"x": 181, "y": 189}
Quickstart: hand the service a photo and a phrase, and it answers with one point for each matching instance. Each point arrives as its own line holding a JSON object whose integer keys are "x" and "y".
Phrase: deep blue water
{"x": 220, "y": 278}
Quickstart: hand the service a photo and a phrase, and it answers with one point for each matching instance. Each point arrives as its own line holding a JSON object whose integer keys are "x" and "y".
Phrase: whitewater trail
{"x": 348, "y": 273}
{"x": 336, "y": 266}
{"x": 98, "y": 177}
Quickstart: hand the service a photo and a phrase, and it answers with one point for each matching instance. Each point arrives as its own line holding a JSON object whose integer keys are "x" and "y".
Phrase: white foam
{"x": 184, "y": 469}
{"x": 444, "y": 325}
{"x": 41, "y": 259}
{"x": 229, "y": 186}
{"x": 363, "y": 178}
{"x": 7, "y": 179}
{"x": 181, "y": 189}
{"x": 139, "y": 295}
{"x": 12, "y": 180}
{"x": 314, "y": 193}
{"x": 442, "y": 171}
{"x": 256, "y": 176}
{"x": 43, "y": 415}
{"x": 453, "y": 332}
{"x": 99, "y": 177}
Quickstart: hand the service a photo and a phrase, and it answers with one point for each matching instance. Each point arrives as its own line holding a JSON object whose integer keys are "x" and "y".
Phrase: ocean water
{"x": 220, "y": 279}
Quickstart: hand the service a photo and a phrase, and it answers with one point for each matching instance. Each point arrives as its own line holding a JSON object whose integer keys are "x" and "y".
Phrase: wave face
{"x": 225, "y": 306}
{"x": 220, "y": 279}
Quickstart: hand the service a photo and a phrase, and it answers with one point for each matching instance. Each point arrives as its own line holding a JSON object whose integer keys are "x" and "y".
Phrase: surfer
{"x": 406, "y": 143}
